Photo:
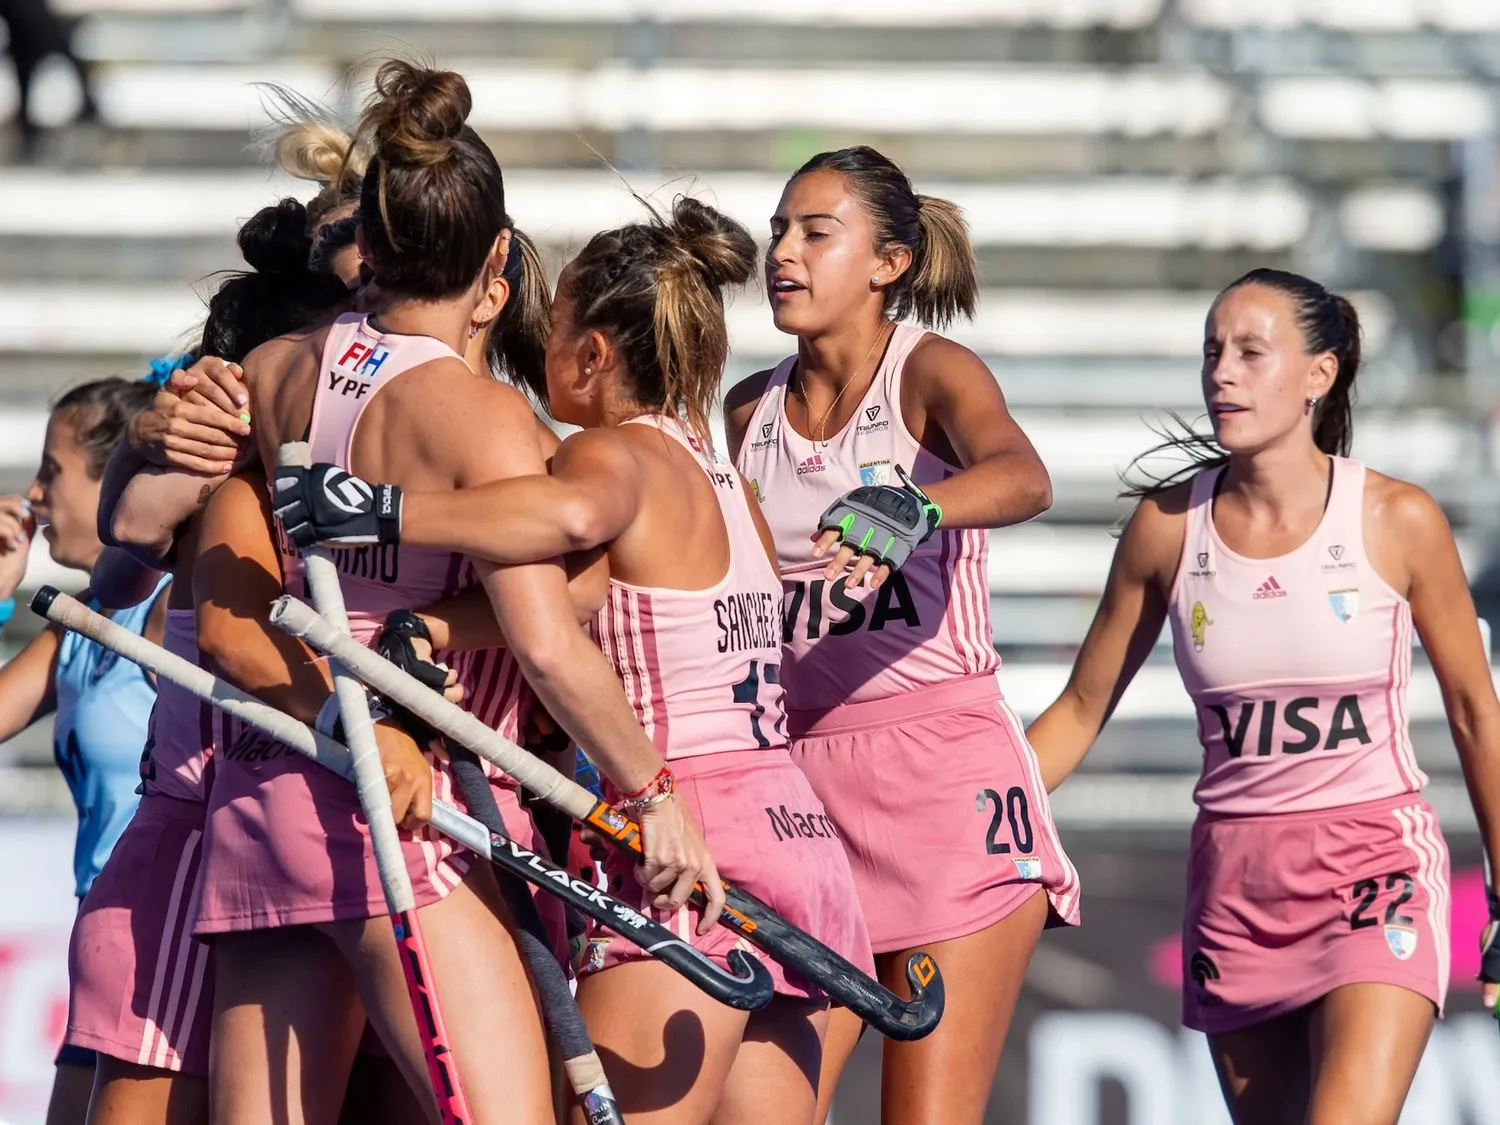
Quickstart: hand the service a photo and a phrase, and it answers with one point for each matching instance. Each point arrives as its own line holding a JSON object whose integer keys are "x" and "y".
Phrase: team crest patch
{"x": 1345, "y": 603}
{"x": 1029, "y": 867}
{"x": 1402, "y": 941}
{"x": 590, "y": 958}
{"x": 1198, "y": 625}
{"x": 755, "y": 488}
{"x": 875, "y": 472}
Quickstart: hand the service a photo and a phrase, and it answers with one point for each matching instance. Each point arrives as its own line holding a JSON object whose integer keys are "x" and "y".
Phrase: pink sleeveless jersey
{"x": 179, "y": 745}
{"x": 358, "y": 361}
{"x": 701, "y": 667}
{"x": 930, "y": 623}
{"x": 1297, "y": 665}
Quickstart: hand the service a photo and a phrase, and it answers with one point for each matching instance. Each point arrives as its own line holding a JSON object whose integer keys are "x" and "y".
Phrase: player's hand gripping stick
{"x": 745, "y": 914}
{"x": 748, "y": 991}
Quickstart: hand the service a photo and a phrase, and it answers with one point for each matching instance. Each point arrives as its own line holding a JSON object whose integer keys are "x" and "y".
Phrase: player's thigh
{"x": 127, "y": 1093}
{"x": 666, "y": 1046}
{"x": 775, "y": 1073}
{"x": 946, "y": 1077}
{"x": 487, "y": 1003}
{"x": 1265, "y": 1070}
{"x": 72, "y": 1084}
{"x": 287, "y": 1021}
{"x": 1367, "y": 1041}
{"x": 843, "y": 1035}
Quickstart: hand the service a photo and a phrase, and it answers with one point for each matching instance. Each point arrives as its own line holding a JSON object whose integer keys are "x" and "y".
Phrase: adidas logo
{"x": 813, "y": 464}
{"x": 1270, "y": 588}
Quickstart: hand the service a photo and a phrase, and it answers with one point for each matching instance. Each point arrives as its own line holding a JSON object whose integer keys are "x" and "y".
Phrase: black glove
{"x": 401, "y": 627}
{"x": 1489, "y": 944}
{"x": 324, "y": 504}
{"x": 883, "y": 521}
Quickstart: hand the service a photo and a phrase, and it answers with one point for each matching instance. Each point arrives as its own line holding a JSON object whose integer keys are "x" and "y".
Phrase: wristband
{"x": 7, "y": 611}
{"x": 654, "y": 792}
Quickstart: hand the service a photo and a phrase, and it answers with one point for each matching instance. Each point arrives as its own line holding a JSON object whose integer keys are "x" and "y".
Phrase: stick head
{"x": 294, "y": 455}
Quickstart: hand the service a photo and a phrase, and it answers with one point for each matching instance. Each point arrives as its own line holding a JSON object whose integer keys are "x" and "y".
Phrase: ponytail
{"x": 657, "y": 290}
{"x": 518, "y": 345}
{"x": 943, "y": 279}
{"x": 1329, "y": 323}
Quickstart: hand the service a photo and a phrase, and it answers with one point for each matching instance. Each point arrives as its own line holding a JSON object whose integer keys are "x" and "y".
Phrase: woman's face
{"x": 571, "y": 386}
{"x": 1257, "y": 372}
{"x": 821, "y": 260}
{"x": 65, "y": 495}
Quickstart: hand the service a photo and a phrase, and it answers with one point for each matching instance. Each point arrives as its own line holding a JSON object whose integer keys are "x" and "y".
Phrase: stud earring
{"x": 875, "y": 280}
{"x": 588, "y": 369}
{"x": 1312, "y": 404}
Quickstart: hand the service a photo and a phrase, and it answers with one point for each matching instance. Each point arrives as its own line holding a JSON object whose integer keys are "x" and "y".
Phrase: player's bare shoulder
{"x": 1399, "y": 508}
{"x": 1151, "y": 544}
{"x": 740, "y": 404}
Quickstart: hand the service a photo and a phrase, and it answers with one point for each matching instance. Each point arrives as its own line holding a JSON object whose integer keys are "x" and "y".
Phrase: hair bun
{"x": 275, "y": 239}
{"x": 416, "y": 112}
{"x": 719, "y": 245}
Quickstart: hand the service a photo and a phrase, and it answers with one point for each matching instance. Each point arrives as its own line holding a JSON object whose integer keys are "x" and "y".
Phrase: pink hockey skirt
{"x": 768, "y": 834}
{"x": 938, "y": 801}
{"x": 141, "y": 985}
{"x": 1284, "y": 908}
{"x": 287, "y": 845}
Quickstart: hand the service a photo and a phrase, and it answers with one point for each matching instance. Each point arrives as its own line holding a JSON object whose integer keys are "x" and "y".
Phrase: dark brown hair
{"x": 942, "y": 281}
{"x": 518, "y": 346}
{"x": 1328, "y": 323}
{"x": 656, "y": 290}
{"x": 99, "y": 412}
{"x": 432, "y": 201}
{"x": 280, "y": 293}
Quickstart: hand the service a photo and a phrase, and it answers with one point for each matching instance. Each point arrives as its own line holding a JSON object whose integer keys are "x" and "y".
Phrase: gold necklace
{"x": 822, "y": 427}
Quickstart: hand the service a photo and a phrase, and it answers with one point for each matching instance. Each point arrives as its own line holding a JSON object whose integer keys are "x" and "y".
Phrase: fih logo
{"x": 1270, "y": 588}
{"x": 813, "y": 464}
{"x": 348, "y": 494}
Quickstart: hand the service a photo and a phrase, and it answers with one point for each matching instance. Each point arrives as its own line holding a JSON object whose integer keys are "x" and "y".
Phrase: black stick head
{"x": 921, "y": 1014}
{"x": 42, "y": 601}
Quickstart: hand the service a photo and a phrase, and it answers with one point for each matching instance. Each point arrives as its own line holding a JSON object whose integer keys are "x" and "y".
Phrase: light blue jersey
{"x": 103, "y": 705}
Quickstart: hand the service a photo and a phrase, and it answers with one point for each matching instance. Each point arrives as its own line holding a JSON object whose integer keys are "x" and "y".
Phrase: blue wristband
{"x": 7, "y": 611}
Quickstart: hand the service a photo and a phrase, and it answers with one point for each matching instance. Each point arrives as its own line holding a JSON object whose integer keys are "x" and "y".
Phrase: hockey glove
{"x": 883, "y": 521}
{"x": 324, "y": 504}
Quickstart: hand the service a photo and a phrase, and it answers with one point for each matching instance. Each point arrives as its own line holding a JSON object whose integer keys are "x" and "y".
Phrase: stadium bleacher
{"x": 1119, "y": 160}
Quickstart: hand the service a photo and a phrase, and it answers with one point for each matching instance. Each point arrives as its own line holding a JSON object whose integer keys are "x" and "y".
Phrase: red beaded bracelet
{"x": 658, "y": 789}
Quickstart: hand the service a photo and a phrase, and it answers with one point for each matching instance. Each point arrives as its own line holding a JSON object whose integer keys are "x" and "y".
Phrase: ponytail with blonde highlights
{"x": 657, "y": 290}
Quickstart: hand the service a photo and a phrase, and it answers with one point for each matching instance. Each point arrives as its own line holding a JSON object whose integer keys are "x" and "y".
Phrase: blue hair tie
{"x": 163, "y": 366}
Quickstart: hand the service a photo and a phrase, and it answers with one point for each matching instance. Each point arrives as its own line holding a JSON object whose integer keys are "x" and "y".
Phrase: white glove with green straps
{"x": 883, "y": 521}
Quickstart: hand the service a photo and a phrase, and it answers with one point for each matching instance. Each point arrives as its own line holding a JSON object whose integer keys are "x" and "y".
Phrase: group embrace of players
{"x": 780, "y": 661}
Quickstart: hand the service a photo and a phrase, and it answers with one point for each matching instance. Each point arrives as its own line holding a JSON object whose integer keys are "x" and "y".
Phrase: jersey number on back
{"x": 748, "y": 691}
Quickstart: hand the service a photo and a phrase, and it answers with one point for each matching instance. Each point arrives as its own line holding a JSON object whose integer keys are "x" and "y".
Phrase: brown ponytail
{"x": 518, "y": 345}
{"x": 656, "y": 289}
{"x": 432, "y": 201}
{"x": 1329, "y": 323}
{"x": 943, "y": 279}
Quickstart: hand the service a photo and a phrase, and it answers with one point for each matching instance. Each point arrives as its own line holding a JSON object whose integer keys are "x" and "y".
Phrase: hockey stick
{"x": 375, "y": 803}
{"x": 881, "y": 1008}
{"x": 748, "y": 990}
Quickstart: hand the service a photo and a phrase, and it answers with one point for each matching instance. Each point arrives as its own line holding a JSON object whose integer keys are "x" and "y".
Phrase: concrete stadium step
{"x": 561, "y": 207}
